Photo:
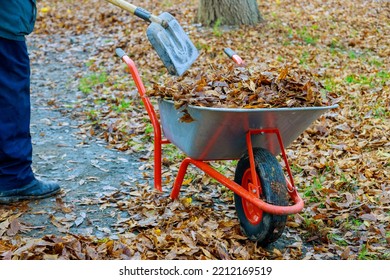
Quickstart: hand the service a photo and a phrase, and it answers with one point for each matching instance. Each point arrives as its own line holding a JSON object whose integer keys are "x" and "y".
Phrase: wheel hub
{"x": 253, "y": 213}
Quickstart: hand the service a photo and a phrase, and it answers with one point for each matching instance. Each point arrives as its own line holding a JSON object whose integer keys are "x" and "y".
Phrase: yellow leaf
{"x": 252, "y": 86}
{"x": 187, "y": 201}
{"x": 45, "y": 10}
{"x": 283, "y": 73}
{"x": 187, "y": 181}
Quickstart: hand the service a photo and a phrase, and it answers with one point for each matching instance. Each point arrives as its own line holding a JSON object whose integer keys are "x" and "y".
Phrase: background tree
{"x": 229, "y": 12}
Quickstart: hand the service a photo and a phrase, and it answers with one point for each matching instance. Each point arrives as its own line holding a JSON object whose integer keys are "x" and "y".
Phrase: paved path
{"x": 88, "y": 172}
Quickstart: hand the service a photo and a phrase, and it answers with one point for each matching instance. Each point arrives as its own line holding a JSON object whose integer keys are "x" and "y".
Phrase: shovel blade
{"x": 172, "y": 45}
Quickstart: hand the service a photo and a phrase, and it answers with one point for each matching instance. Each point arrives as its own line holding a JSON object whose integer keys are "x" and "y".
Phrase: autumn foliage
{"x": 330, "y": 51}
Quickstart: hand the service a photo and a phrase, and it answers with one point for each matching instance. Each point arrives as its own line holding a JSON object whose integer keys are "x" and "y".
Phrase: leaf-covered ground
{"x": 340, "y": 163}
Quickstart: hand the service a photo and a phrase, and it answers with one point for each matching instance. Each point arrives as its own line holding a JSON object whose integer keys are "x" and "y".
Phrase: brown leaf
{"x": 222, "y": 252}
{"x": 4, "y": 226}
{"x": 14, "y": 227}
{"x": 186, "y": 118}
{"x": 368, "y": 217}
{"x": 283, "y": 73}
{"x": 345, "y": 254}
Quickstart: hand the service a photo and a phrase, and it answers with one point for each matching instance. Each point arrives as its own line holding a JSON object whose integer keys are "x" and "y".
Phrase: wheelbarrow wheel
{"x": 256, "y": 224}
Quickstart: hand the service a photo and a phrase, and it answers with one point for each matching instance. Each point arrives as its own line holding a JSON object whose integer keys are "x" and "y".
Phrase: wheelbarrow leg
{"x": 157, "y": 163}
{"x": 180, "y": 177}
{"x": 158, "y": 141}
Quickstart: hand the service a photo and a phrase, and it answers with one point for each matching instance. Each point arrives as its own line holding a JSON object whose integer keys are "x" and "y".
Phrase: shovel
{"x": 167, "y": 37}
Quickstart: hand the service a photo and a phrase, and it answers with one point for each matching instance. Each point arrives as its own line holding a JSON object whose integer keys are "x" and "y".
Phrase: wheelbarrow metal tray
{"x": 219, "y": 133}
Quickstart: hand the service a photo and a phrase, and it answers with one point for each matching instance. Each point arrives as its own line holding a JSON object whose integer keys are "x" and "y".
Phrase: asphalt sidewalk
{"x": 88, "y": 172}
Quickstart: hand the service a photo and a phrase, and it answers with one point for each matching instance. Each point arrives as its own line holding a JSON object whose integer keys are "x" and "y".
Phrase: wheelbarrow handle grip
{"x": 232, "y": 54}
{"x": 139, "y": 12}
{"x": 229, "y": 52}
{"x": 120, "y": 52}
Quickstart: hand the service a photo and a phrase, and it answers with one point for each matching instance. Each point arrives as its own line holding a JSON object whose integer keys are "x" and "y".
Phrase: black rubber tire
{"x": 274, "y": 191}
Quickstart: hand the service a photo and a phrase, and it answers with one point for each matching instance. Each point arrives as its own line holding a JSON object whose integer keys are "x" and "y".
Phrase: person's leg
{"x": 15, "y": 139}
{"x": 16, "y": 176}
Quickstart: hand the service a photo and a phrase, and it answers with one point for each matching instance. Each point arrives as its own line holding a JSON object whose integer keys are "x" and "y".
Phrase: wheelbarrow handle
{"x": 139, "y": 12}
{"x": 229, "y": 52}
{"x": 133, "y": 71}
{"x": 234, "y": 56}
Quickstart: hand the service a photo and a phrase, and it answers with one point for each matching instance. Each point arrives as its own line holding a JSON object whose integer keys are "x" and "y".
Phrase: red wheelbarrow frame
{"x": 251, "y": 195}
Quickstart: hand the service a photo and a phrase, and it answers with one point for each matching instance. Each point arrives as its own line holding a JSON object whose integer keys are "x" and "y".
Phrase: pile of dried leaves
{"x": 157, "y": 228}
{"x": 244, "y": 87}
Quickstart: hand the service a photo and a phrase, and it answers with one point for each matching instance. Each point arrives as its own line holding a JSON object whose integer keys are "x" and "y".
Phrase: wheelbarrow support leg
{"x": 158, "y": 141}
{"x": 290, "y": 181}
{"x": 180, "y": 177}
{"x": 249, "y": 196}
{"x": 236, "y": 188}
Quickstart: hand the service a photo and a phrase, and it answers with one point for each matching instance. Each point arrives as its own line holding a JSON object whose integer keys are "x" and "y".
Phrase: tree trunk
{"x": 229, "y": 12}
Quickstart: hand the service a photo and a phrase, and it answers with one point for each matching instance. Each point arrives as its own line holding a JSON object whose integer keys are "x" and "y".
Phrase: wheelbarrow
{"x": 264, "y": 195}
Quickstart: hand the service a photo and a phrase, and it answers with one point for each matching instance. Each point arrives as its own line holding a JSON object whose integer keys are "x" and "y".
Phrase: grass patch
{"x": 314, "y": 227}
{"x": 352, "y": 223}
{"x": 167, "y": 3}
{"x": 378, "y": 79}
{"x": 330, "y": 84}
{"x": 303, "y": 60}
{"x": 364, "y": 254}
{"x": 337, "y": 239}
{"x": 375, "y": 62}
{"x": 171, "y": 153}
{"x": 383, "y": 76}
{"x": 217, "y": 28}
{"x": 311, "y": 192}
{"x": 123, "y": 106}
{"x": 306, "y": 35}
{"x": 87, "y": 83}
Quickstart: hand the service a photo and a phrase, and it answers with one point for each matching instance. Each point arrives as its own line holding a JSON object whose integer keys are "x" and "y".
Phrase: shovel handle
{"x": 139, "y": 12}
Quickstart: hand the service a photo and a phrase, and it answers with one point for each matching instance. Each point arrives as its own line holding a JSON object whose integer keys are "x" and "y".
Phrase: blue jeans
{"x": 15, "y": 138}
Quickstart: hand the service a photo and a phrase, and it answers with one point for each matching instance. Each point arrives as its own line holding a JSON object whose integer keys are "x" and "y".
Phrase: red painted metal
{"x": 158, "y": 141}
{"x": 255, "y": 178}
{"x": 251, "y": 195}
{"x": 248, "y": 195}
{"x": 236, "y": 188}
{"x": 290, "y": 183}
{"x": 253, "y": 214}
{"x": 237, "y": 59}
